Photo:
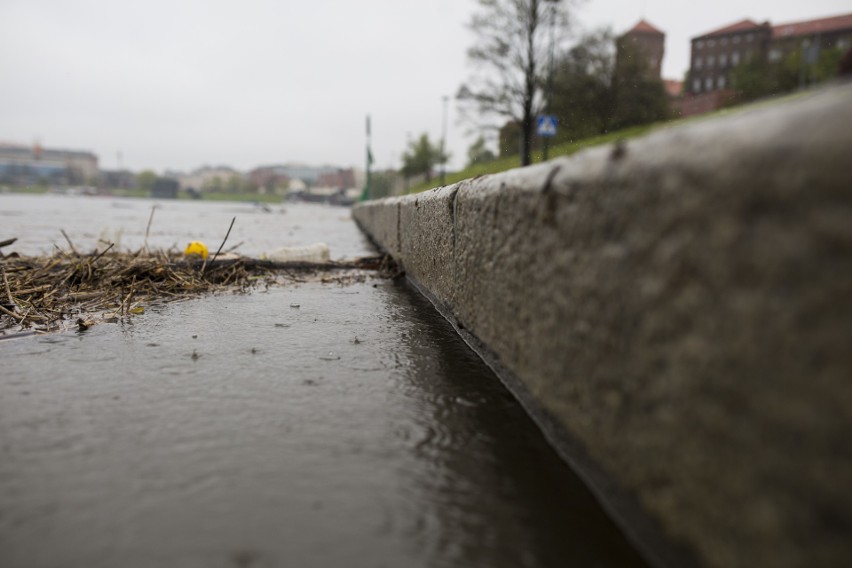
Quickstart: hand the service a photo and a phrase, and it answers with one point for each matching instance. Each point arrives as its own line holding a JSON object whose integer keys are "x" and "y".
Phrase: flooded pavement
{"x": 312, "y": 425}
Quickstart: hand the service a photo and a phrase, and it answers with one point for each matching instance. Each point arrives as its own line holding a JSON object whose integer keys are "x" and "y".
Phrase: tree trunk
{"x": 529, "y": 87}
{"x": 526, "y": 139}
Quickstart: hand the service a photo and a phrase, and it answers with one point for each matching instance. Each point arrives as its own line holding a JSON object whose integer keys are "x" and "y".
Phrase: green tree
{"x": 756, "y": 77}
{"x": 638, "y": 95}
{"x": 237, "y": 183}
{"x": 582, "y": 96}
{"x": 145, "y": 180}
{"x": 421, "y": 157}
{"x": 514, "y": 39}
{"x": 479, "y": 153}
{"x": 382, "y": 183}
{"x": 827, "y": 65}
{"x": 753, "y": 79}
{"x": 509, "y": 139}
{"x": 213, "y": 185}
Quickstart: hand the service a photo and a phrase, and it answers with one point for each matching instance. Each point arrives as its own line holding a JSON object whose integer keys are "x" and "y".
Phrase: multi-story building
{"x": 268, "y": 180}
{"x": 342, "y": 178}
{"x": 207, "y": 177}
{"x": 22, "y": 165}
{"x": 646, "y": 40}
{"x": 308, "y": 174}
{"x": 811, "y": 37}
{"x": 716, "y": 53}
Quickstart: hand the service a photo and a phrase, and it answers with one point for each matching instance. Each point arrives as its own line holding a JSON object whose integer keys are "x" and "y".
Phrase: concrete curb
{"x": 675, "y": 312}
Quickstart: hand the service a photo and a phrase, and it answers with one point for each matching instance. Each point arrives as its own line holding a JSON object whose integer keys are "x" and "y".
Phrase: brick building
{"x": 268, "y": 179}
{"x": 342, "y": 178}
{"x": 716, "y": 53}
{"x": 811, "y": 36}
{"x": 647, "y": 40}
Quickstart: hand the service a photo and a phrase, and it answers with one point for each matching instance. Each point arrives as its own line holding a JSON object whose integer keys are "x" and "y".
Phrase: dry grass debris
{"x": 67, "y": 289}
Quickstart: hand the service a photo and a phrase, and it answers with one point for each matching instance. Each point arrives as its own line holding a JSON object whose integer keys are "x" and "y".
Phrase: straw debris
{"x": 68, "y": 290}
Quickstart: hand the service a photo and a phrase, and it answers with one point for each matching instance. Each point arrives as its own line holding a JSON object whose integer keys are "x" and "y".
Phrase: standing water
{"x": 303, "y": 425}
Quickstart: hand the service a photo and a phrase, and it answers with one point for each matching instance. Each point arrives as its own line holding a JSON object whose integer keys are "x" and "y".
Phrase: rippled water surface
{"x": 36, "y": 221}
{"x": 356, "y": 429}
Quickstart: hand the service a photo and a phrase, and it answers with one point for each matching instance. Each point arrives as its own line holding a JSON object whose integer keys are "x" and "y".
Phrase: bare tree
{"x": 515, "y": 40}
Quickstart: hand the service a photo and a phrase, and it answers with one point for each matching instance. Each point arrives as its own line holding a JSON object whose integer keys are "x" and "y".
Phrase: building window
{"x": 723, "y": 41}
{"x": 698, "y": 63}
{"x": 710, "y": 61}
{"x": 735, "y": 58}
{"x": 723, "y": 60}
{"x": 696, "y": 85}
{"x": 736, "y": 39}
{"x": 750, "y": 37}
{"x": 844, "y": 43}
{"x": 699, "y": 44}
{"x": 711, "y": 43}
{"x": 720, "y": 82}
{"x": 708, "y": 84}
{"x": 775, "y": 55}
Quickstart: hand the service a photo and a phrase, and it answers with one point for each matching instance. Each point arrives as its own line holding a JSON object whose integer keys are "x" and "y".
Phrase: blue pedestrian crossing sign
{"x": 546, "y": 125}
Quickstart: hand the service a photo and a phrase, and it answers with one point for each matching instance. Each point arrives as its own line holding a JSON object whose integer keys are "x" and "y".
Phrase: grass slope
{"x": 569, "y": 148}
{"x": 563, "y": 149}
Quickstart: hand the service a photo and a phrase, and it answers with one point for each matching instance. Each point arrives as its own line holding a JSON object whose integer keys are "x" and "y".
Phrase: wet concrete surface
{"x": 307, "y": 425}
{"x": 356, "y": 429}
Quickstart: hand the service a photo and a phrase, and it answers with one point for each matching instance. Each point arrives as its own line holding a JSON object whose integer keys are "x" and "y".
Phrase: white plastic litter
{"x": 317, "y": 252}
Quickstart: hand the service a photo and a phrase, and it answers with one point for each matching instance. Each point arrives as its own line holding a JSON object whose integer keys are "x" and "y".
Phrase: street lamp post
{"x": 444, "y": 141}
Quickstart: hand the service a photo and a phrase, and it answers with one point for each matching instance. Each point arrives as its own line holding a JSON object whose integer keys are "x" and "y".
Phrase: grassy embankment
{"x": 563, "y": 149}
{"x": 206, "y": 196}
{"x": 568, "y": 148}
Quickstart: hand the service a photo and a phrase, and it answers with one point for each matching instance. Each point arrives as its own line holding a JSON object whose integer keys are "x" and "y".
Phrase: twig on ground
{"x": 94, "y": 260}
{"x": 235, "y": 247}
{"x": 6, "y": 243}
{"x": 70, "y": 244}
{"x": 8, "y": 290}
{"x": 204, "y": 267}
{"x": 148, "y": 228}
{"x": 18, "y": 317}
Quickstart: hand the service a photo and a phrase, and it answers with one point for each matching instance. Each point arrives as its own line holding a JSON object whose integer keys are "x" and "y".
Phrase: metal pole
{"x": 444, "y": 141}
{"x": 367, "y": 193}
{"x": 369, "y": 158}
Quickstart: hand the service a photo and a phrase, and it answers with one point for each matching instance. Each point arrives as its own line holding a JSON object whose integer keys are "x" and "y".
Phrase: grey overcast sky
{"x": 176, "y": 84}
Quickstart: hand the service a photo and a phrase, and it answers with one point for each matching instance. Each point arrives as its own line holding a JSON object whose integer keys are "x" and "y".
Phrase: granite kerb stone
{"x": 681, "y": 305}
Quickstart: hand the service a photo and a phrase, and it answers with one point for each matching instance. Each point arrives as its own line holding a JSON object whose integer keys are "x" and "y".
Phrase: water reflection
{"x": 499, "y": 496}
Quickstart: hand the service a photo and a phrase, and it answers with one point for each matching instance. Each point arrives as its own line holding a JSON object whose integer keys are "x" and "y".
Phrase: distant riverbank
{"x": 145, "y": 194}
